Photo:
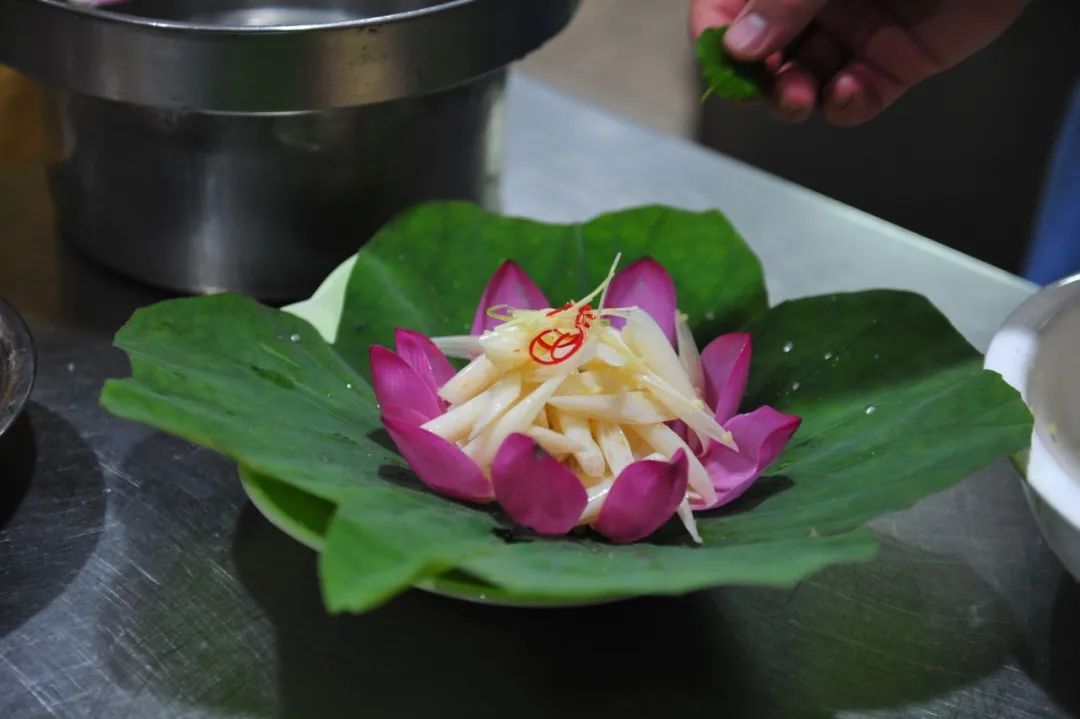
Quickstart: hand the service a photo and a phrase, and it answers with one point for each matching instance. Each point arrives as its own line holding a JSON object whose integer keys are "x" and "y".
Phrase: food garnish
{"x": 602, "y": 415}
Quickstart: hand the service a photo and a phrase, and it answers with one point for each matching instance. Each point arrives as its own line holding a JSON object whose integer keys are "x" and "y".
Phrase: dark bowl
{"x": 18, "y": 364}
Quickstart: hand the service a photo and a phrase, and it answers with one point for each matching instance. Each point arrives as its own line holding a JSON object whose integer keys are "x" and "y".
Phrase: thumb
{"x": 766, "y": 26}
{"x": 705, "y": 14}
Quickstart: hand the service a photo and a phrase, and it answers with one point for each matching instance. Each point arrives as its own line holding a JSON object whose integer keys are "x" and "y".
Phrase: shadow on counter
{"x": 216, "y": 609}
{"x": 52, "y": 508}
{"x": 179, "y": 630}
{"x": 852, "y": 638}
{"x": 1058, "y": 674}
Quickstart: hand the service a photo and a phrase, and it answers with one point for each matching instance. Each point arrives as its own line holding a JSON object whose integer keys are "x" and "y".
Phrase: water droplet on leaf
{"x": 788, "y": 346}
{"x": 870, "y": 409}
{"x": 294, "y": 337}
{"x": 795, "y": 386}
{"x": 828, "y": 355}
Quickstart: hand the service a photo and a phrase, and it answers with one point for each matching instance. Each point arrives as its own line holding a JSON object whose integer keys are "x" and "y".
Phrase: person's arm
{"x": 852, "y": 58}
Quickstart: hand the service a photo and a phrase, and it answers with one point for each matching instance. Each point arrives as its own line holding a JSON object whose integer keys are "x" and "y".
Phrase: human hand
{"x": 852, "y": 58}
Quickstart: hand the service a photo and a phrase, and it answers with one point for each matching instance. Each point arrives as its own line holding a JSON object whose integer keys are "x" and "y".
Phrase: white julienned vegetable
{"x": 594, "y": 397}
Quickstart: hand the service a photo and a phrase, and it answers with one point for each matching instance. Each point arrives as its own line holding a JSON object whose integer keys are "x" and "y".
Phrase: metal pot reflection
{"x": 248, "y": 146}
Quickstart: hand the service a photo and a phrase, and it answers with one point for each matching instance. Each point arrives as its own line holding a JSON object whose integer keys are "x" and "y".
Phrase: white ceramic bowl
{"x": 1037, "y": 351}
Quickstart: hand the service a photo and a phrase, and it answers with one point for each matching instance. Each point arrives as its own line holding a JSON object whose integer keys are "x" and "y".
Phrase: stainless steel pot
{"x": 240, "y": 145}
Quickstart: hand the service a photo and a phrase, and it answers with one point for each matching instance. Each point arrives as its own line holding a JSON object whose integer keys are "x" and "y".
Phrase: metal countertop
{"x": 136, "y": 580}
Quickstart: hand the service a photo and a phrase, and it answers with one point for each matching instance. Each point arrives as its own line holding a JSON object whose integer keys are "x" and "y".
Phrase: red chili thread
{"x": 562, "y": 345}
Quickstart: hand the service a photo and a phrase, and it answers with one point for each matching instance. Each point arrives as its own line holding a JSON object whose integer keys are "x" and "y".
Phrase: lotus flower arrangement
{"x": 604, "y": 453}
{"x": 410, "y": 446}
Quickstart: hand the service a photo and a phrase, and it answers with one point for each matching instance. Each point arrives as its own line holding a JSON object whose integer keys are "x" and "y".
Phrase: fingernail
{"x": 746, "y": 35}
{"x": 792, "y": 112}
{"x": 843, "y": 95}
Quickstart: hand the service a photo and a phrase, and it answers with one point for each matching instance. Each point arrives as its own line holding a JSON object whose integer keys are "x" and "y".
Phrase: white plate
{"x": 1036, "y": 351}
{"x": 323, "y": 309}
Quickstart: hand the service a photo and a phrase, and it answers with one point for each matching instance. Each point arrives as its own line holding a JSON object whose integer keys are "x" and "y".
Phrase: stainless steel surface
{"x": 135, "y": 579}
{"x": 265, "y": 204}
{"x": 251, "y": 56}
{"x": 250, "y": 145}
{"x": 17, "y": 366}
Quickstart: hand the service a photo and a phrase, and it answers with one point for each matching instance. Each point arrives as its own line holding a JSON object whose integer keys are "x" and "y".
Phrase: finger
{"x": 705, "y": 14}
{"x": 795, "y": 93}
{"x": 766, "y": 26}
{"x": 858, "y": 93}
{"x": 773, "y": 63}
{"x": 820, "y": 54}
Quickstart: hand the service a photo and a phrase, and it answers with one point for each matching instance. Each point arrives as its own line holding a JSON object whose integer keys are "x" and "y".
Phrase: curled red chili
{"x": 553, "y": 346}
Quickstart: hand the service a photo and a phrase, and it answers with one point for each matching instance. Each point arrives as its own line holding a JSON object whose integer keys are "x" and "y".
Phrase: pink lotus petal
{"x": 645, "y": 284}
{"x": 726, "y": 361}
{"x": 439, "y": 464}
{"x": 644, "y": 496}
{"x": 508, "y": 286}
{"x": 396, "y": 383}
{"x": 423, "y": 356}
{"x": 761, "y": 436}
{"x": 535, "y": 489}
{"x": 401, "y": 413}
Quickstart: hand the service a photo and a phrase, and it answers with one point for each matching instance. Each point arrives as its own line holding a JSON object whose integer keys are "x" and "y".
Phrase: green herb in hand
{"x": 727, "y": 77}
